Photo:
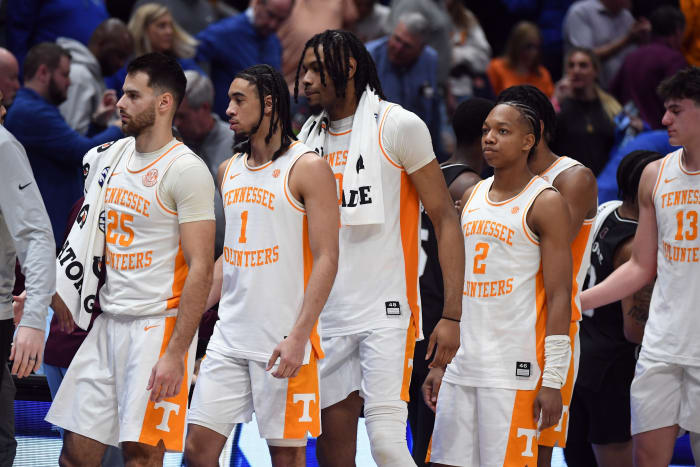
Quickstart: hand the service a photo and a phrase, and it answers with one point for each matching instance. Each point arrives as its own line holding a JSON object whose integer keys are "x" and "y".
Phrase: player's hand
{"x": 18, "y": 306}
{"x": 431, "y": 387}
{"x": 27, "y": 351}
{"x": 290, "y": 353}
{"x": 65, "y": 318}
{"x": 166, "y": 377}
{"x": 445, "y": 341}
{"x": 547, "y": 404}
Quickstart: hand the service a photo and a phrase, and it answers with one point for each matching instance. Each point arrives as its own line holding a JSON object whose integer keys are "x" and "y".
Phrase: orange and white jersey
{"x": 146, "y": 269}
{"x": 503, "y": 324}
{"x": 581, "y": 246}
{"x": 377, "y": 281}
{"x": 671, "y": 333}
{"x": 266, "y": 260}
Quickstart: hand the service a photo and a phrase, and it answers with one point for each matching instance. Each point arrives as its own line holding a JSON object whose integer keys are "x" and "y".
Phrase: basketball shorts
{"x": 484, "y": 427}
{"x": 556, "y": 435}
{"x": 377, "y": 363}
{"x": 664, "y": 394}
{"x": 229, "y": 390}
{"x": 103, "y": 395}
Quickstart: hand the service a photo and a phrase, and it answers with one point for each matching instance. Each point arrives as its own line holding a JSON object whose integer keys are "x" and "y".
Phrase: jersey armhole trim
{"x": 228, "y": 167}
{"x": 658, "y": 177}
{"x": 526, "y": 228}
{"x": 295, "y": 203}
{"x": 379, "y": 133}
{"x": 471, "y": 196}
{"x": 160, "y": 203}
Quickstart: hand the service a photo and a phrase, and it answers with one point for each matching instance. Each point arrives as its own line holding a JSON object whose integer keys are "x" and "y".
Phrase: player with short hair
{"x": 505, "y": 383}
{"x": 384, "y": 164}
{"x": 665, "y": 393}
{"x": 128, "y": 384}
{"x": 279, "y": 261}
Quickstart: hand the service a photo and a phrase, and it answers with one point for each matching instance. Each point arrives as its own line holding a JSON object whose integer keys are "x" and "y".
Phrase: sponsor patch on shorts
{"x": 393, "y": 308}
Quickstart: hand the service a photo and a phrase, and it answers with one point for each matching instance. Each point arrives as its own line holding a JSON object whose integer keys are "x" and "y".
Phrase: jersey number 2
{"x": 479, "y": 266}
{"x": 116, "y": 221}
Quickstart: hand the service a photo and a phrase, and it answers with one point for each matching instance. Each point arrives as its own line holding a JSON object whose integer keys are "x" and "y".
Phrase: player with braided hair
{"x": 385, "y": 167}
{"x": 504, "y": 384}
{"x": 279, "y": 261}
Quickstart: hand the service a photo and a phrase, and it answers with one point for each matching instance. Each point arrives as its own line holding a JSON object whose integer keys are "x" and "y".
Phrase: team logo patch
{"x": 515, "y": 210}
{"x": 104, "y": 147}
{"x": 150, "y": 178}
{"x": 82, "y": 215}
{"x": 103, "y": 176}
{"x": 276, "y": 173}
{"x": 86, "y": 170}
{"x": 101, "y": 223}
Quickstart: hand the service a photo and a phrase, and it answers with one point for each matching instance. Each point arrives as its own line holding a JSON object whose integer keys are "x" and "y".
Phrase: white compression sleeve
{"x": 557, "y": 356}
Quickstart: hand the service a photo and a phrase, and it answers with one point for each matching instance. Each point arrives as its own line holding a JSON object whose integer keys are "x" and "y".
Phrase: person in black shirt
{"x": 599, "y": 425}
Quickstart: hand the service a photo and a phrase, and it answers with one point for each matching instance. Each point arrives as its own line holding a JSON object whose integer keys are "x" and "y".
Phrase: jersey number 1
{"x": 244, "y": 224}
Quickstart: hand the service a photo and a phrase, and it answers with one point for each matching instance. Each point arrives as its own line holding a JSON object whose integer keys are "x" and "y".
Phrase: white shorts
{"x": 229, "y": 390}
{"x": 378, "y": 363}
{"x": 484, "y": 427}
{"x": 103, "y": 395}
{"x": 664, "y": 394}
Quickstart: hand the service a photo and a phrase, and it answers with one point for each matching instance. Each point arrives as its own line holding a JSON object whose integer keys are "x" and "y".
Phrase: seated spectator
{"x": 89, "y": 102}
{"x": 54, "y": 149}
{"x": 691, "y": 38}
{"x": 645, "y": 68}
{"x": 407, "y": 69}
{"x": 235, "y": 43}
{"x": 585, "y": 124}
{"x": 32, "y": 22}
{"x": 372, "y": 20}
{"x": 521, "y": 62}
{"x": 471, "y": 52}
{"x": 191, "y": 15}
{"x": 9, "y": 76}
{"x": 608, "y": 28}
{"x": 207, "y": 135}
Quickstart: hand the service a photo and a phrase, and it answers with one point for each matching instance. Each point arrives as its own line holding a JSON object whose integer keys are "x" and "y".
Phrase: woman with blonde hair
{"x": 521, "y": 62}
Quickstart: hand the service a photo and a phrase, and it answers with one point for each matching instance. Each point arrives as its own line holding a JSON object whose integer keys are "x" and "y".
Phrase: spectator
{"x": 521, "y": 62}
{"x": 691, "y": 39}
{"x": 207, "y": 135}
{"x": 9, "y": 76}
{"x": 606, "y": 27}
{"x": 471, "y": 52}
{"x": 30, "y": 22}
{"x": 407, "y": 69}
{"x": 55, "y": 150}
{"x": 585, "y": 126}
{"x": 191, "y": 15}
{"x": 25, "y": 232}
{"x": 89, "y": 102}
{"x": 372, "y": 20}
{"x": 645, "y": 68}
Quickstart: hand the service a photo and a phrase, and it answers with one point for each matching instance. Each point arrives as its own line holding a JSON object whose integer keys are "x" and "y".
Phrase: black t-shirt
{"x": 607, "y": 358}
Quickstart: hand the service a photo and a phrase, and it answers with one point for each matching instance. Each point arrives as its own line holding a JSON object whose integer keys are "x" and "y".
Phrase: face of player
{"x": 580, "y": 71}
{"x": 59, "y": 82}
{"x": 505, "y": 137}
{"x": 243, "y": 110}
{"x": 192, "y": 123}
{"x": 268, "y": 15}
{"x": 3, "y": 110}
{"x": 319, "y": 95}
{"x": 681, "y": 121}
{"x": 137, "y": 107}
{"x": 403, "y": 47}
{"x": 9, "y": 79}
{"x": 161, "y": 33}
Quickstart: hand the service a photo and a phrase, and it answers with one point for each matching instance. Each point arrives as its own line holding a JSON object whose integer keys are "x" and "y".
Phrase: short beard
{"x": 56, "y": 96}
{"x": 138, "y": 123}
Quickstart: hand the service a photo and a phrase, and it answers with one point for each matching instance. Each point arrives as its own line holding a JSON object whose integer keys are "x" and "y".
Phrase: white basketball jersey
{"x": 672, "y": 333}
{"x": 581, "y": 246}
{"x": 146, "y": 269}
{"x": 503, "y": 324}
{"x": 266, "y": 260}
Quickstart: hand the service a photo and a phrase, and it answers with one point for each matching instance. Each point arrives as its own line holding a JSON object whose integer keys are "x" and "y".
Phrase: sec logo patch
{"x": 150, "y": 178}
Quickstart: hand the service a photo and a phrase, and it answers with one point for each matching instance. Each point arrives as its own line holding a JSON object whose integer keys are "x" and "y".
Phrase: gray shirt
{"x": 589, "y": 24}
{"x": 25, "y": 232}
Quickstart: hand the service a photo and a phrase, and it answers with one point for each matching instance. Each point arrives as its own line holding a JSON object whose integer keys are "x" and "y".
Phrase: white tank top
{"x": 581, "y": 246}
{"x": 672, "y": 333}
{"x": 146, "y": 269}
{"x": 266, "y": 260}
{"x": 503, "y": 325}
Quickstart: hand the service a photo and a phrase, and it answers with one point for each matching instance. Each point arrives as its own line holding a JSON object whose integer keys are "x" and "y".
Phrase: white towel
{"x": 81, "y": 258}
{"x": 363, "y": 200}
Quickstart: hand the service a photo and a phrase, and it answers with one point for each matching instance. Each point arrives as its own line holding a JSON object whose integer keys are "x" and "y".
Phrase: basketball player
{"x": 665, "y": 392}
{"x": 599, "y": 431}
{"x": 128, "y": 383}
{"x": 577, "y": 185}
{"x": 505, "y": 383}
{"x": 280, "y": 258}
{"x": 384, "y": 164}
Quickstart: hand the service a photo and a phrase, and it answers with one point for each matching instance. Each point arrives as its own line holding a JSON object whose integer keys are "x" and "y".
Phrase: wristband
{"x": 557, "y": 356}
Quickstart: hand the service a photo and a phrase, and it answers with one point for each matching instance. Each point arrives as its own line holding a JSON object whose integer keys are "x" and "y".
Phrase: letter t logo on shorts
{"x": 168, "y": 408}
{"x": 307, "y": 399}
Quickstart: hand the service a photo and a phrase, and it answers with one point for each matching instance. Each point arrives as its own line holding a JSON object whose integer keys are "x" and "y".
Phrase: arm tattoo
{"x": 640, "y": 308}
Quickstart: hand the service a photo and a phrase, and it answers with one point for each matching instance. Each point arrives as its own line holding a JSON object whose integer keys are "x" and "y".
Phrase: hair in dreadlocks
{"x": 533, "y": 97}
{"x": 531, "y": 117}
{"x": 270, "y": 82}
{"x": 629, "y": 172}
{"x": 338, "y": 47}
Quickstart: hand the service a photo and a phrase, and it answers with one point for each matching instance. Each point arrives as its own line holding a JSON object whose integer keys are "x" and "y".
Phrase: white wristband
{"x": 557, "y": 356}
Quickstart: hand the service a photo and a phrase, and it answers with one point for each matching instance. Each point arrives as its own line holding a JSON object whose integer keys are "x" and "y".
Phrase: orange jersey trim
{"x": 683, "y": 169}
{"x": 339, "y": 134}
{"x": 659, "y": 176}
{"x": 554, "y": 164}
{"x": 409, "y": 220}
{"x": 379, "y": 137}
{"x": 179, "y": 277}
{"x": 501, "y": 203}
{"x": 411, "y": 333}
{"x": 471, "y": 196}
{"x": 308, "y": 266}
{"x": 228, "y": 167}
{"x": 152, "y": 163}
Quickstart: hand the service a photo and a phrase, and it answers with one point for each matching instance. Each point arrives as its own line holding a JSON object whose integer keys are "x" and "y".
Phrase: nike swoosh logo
{"x": 472, "y": 210}
{"x": 146, "y": 328}
{"x": 22, "y": 187}
{"x": 669, "y": 180}
{"x": 233, "y": 176}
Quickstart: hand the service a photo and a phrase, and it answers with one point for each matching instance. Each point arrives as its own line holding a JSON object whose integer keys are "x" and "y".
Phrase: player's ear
{"x": 352, "y": 64}
{"x": 528, "y": 142}
{"x": 166, "y": 102}
{"x": 268, "y": 104}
